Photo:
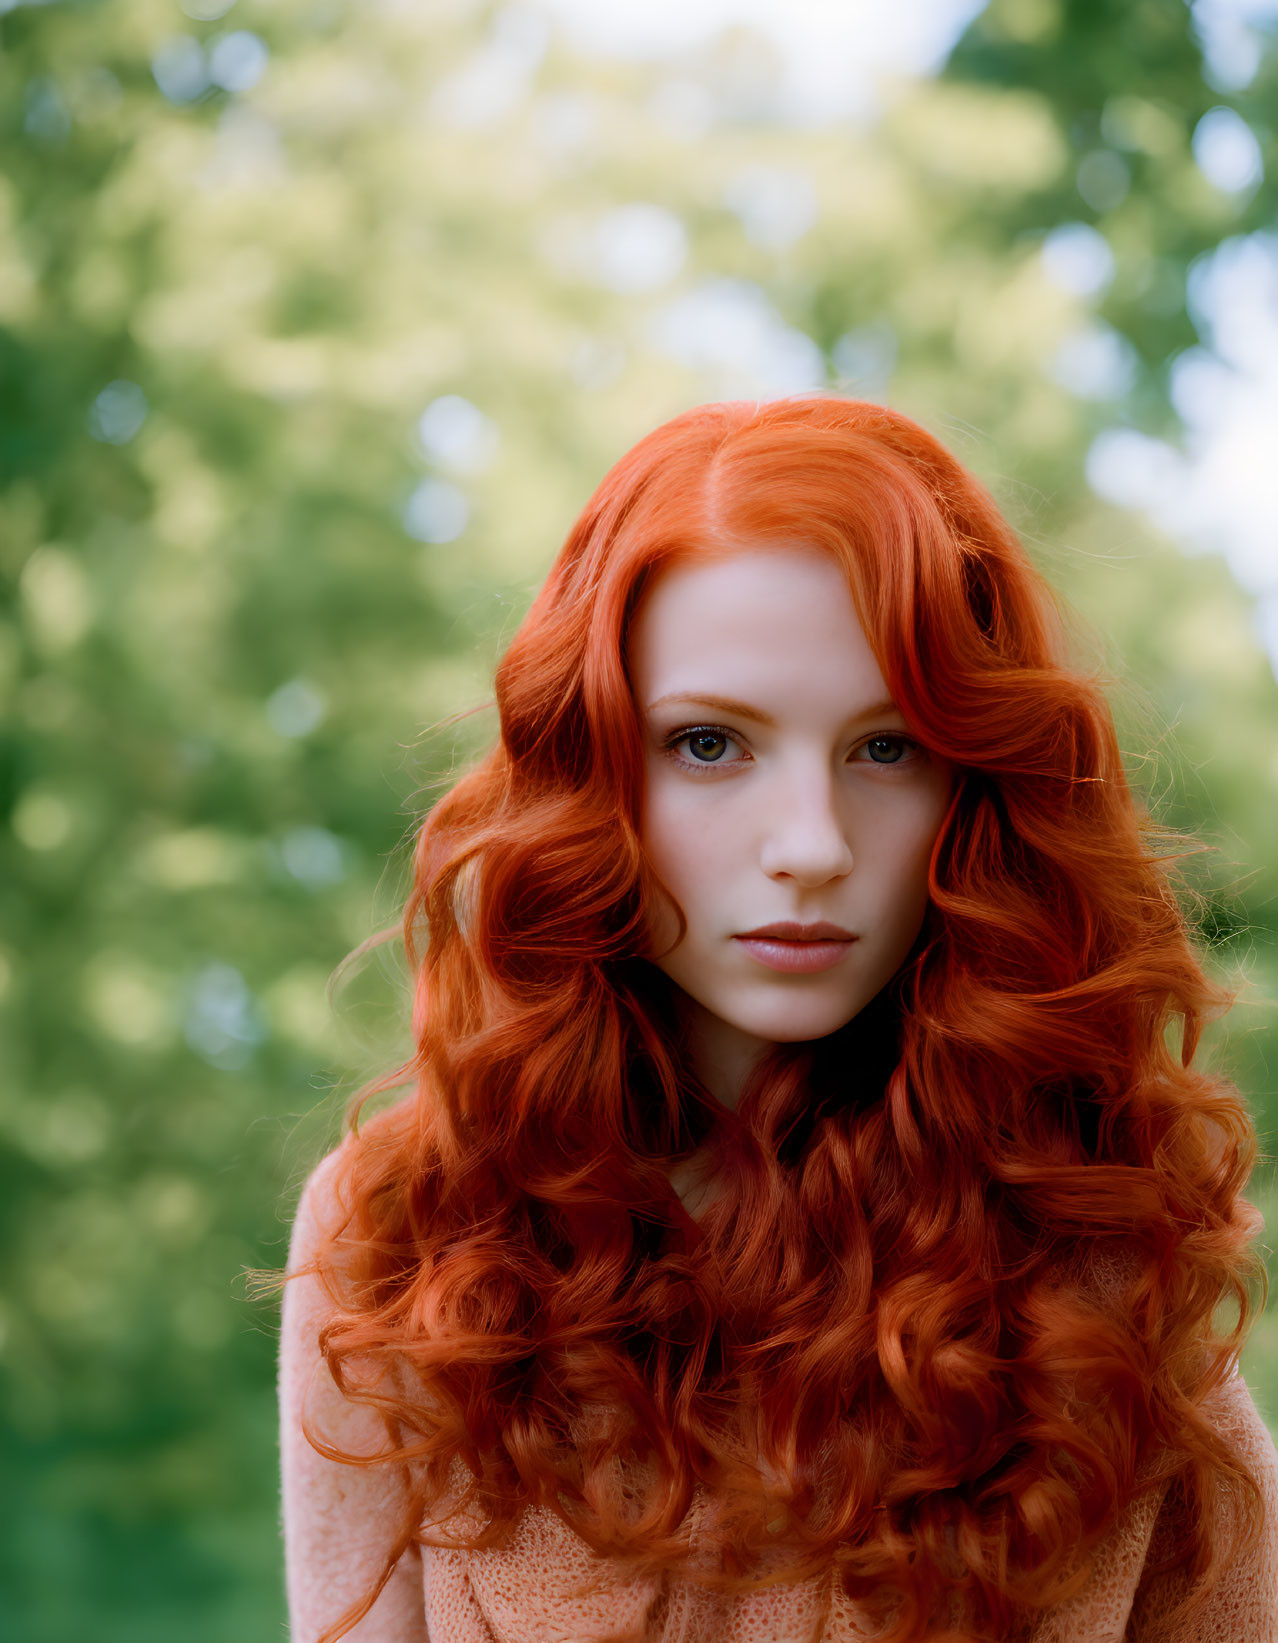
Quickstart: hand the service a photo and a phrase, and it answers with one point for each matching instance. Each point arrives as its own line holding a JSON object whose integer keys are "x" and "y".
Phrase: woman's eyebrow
{"x": 743, "y": 710}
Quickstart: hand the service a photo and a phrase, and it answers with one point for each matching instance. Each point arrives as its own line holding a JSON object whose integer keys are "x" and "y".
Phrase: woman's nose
{"x": 805, "y": 838}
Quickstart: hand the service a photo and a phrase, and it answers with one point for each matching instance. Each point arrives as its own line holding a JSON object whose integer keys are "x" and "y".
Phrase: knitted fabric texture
{"x": 338, "y": 1521}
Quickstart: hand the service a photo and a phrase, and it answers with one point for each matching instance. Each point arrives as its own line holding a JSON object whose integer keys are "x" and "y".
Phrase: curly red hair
{"x": 955, "y": 1306}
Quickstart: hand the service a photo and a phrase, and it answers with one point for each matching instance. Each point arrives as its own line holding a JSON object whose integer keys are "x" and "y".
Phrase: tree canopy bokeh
{"x": 318, "y": 323}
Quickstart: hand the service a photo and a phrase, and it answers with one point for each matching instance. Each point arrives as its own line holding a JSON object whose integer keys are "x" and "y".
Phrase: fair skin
{"x": 816, "y": 804}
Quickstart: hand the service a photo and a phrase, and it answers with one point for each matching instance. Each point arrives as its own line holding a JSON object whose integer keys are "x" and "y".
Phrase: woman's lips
{"x": 798, "y": 957}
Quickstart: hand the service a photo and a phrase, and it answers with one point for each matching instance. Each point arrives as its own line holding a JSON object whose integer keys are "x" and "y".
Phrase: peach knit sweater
{"x": 337, "y": 1521}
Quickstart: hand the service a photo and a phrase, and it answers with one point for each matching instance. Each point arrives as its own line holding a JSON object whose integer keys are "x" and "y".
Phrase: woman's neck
{"x": 723, "y": 1056}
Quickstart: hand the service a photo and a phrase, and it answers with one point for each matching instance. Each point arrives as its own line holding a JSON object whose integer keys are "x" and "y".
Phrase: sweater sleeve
{"x": 338, "y": 1521}
{"x": 1243, "y": 1607}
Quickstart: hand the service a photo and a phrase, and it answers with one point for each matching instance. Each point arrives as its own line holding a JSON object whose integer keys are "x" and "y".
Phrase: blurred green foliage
{"x": 245, "y": 587}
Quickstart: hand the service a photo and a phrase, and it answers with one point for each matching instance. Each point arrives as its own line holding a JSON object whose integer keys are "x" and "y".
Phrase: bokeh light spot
{"x": 1130, "y": 469}
{"x": 1136, "y": 124}
{"x": 296, "y": 708}
{"x": 313, "y": 856}
{"x": 777, "y": 205}
{"x": 638, "y": 248}
{"x": 597, "y": 362}
{"x": 1231, "y": 48}
{"x": 1200, "y": 386}
{"x": 1095, "y": 362}
{"x": 436, "y": 512}
{"x": 47, "y": 117}
{"x": 222, "y": 1020}
{"x": 238, "y": 61}
{"x": 456, "y": 433}
{"x": 1226, "y": 151}
{"x": 1232, "y": 296}
{"x": 299, "y": 1007}
{"x": 1103, "y": 179}
{"x": 180, "y": 70}
{"x": 174, "y": 1206}
{"x": 125, "y": 1000}
{"x": 729, "y": 328}
{"x": 117, "y": 413}
{"x": 55, "y": 598}
{"x": 1077, "y": 258}
{"x": 41, "y": 819}
{"x": 192, "y": 858}
{"x": 865, "y": 357}
{"x": 494, "y": 79}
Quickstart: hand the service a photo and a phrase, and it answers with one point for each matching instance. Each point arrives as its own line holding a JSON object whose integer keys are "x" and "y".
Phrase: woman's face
{"x": 781, "y": 787}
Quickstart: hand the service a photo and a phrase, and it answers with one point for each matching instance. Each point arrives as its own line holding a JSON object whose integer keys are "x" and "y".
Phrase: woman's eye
{"x": 705, "y": 745}
{"x": 888, "y": 749}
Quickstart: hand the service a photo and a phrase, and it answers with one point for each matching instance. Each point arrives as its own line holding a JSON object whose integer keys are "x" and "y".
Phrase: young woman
{"x": 806, "y": 1219}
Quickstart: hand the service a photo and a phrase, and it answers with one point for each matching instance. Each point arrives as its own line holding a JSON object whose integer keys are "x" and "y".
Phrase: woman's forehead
{"x": 759, "y": 621}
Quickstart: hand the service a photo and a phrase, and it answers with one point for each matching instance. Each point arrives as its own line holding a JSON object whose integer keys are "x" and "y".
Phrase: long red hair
{"x": 954, "y": 1308}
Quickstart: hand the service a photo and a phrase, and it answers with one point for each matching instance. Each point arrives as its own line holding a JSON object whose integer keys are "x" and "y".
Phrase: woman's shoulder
{"x": 324, "y": 1203}
{"x": 1243, "y": 1606}
{"x": 339, "y": 1520}
{"x": 320, "y": 1205}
